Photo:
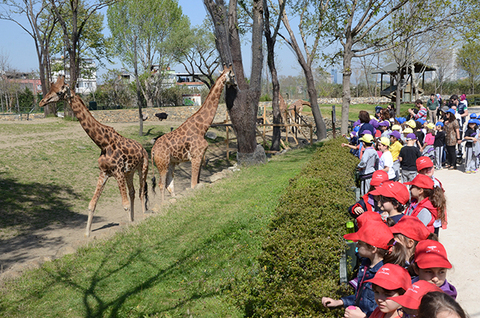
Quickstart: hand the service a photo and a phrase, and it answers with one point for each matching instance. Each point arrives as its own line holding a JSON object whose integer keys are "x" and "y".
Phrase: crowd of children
{"x": 403, "y": 266}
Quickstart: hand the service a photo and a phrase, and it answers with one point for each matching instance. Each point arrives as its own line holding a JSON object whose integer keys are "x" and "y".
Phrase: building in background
{"x": 86, "y": 82}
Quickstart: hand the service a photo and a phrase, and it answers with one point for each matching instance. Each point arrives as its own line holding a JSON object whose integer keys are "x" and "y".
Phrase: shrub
{"x": 300, "y": 259}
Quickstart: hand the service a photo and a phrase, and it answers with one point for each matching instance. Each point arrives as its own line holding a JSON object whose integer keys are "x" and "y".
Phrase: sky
{"x": 19, "y": 49}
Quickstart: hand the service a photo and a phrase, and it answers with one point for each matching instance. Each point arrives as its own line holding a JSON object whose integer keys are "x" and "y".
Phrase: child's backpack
{"x": 429, "y": 151}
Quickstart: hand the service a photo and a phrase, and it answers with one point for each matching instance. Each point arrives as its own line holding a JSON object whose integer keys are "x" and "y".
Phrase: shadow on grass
{"x": 28, "y": 208}
{"x": 101, "y": 301}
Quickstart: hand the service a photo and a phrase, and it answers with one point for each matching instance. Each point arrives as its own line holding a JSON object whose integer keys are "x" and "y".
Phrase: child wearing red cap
{"x": 367, "y": 202}
{"x": 407, "y": 233}
{"x": 373, "y": 241}
{"x": 431, "y": 264}
{"x": 410, "y": 301}
{"x": 427, "y": 201}
{"x": 392, "y": 197}
{"x": 390, "y": 281}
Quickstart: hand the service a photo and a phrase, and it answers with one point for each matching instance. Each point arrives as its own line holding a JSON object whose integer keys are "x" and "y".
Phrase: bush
{"x": 300, "y": 259}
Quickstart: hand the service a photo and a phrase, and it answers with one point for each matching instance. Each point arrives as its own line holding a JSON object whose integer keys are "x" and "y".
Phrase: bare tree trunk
{"x": 139, "y": 96}
{"x": 346, "y": 93}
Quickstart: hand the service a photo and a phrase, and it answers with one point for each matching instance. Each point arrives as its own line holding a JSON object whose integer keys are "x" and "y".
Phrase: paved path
{"x": 462, "y": 237}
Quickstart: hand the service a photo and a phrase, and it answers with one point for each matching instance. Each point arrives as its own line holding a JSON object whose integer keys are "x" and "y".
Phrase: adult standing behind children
{"x": 432, "y": 105}
{"x": 364, "y": 118}
{"x": 452, "y": 138}
{"x": 408, "y": 156}
{"x": 422, "y": 111}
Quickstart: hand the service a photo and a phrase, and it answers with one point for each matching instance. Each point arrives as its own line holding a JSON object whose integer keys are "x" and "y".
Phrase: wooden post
{"x": 311, "y": 135}
{"x": 334, "y": 131}
{"x": 228, "y": 144}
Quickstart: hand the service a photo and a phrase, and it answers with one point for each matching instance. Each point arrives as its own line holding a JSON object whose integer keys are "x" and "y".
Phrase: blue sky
{"x": 19, "y": 47}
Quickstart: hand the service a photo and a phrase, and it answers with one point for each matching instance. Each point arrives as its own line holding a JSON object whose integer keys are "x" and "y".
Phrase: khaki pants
{"x": 433, "y": 115}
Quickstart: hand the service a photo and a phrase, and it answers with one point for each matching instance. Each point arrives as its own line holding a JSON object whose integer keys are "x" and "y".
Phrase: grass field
{"x": 178, "y": 263}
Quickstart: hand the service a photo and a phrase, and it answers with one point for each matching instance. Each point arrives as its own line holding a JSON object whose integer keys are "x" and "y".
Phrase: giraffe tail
{"x": 154, "y": 180}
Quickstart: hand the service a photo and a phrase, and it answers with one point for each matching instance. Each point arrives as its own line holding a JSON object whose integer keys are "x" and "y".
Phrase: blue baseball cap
{"x": 473, "y": 115}
{"x": 452, "y": 111}
{"x": 421, "y": 121}
{"x": 400, "y": 120}
{"x": 439, "y": 124}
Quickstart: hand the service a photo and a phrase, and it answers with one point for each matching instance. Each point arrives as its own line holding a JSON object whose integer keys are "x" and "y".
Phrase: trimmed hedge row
{"x": 300, "y": 259}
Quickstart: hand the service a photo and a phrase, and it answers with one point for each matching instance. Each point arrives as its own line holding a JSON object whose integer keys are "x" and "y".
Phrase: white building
{"x": 87, "y": 80}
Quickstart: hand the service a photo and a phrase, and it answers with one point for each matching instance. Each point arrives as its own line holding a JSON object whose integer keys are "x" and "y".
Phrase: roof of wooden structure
{"x": 392, "y": 68}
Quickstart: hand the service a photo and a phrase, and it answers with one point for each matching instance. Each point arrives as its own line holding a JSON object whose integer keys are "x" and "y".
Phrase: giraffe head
{"x": 230, "y": 76}
{"x": 58, "y": 91}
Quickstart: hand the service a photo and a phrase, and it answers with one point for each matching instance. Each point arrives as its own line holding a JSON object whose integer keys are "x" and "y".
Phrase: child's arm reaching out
{"x": 331, "y": 303}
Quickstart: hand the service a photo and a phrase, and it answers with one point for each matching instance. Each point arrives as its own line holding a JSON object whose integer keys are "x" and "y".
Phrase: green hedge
{"x": 301, "y": 253}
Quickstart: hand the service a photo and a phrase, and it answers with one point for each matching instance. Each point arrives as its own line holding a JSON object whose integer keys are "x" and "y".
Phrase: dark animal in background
{"x": 161, "y": 116}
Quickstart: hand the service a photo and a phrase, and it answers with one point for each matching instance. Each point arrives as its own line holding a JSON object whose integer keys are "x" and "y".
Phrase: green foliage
{"x": 25, "y": 100}
{"x": 301, "y": 253}
{"x": 265, "y": 98}
{"x": 469, "y": 61}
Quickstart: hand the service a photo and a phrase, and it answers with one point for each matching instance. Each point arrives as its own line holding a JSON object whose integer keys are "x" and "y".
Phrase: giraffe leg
{"x": 142, "y": 176}
{"x": 122, "y": 186}
{"x": 196, "y": 167}
{"x": 131, "y": 194}
{"x": 102, "y": 179}
{"x": 169, "y": 181}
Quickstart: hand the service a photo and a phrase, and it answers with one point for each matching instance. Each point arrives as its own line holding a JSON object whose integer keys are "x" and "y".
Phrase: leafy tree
{"x": 468, "y": 60}
{"x": 157, "y": 27}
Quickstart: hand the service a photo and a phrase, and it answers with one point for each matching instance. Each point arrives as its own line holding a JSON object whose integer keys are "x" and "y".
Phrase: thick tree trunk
{"x": 242, "y": 101}
{"x": 317, "y": 115}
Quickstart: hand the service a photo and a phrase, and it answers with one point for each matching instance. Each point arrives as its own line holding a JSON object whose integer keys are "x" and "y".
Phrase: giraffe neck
{"x": 95, "y": 130}
{"x": 203, "y": 118}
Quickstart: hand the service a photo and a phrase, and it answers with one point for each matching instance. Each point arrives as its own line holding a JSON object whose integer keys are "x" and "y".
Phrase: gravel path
{"x": 461, "y": 239}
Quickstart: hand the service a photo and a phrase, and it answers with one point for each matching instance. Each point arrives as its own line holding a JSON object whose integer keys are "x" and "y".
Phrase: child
{"x": 373, "y": 241}
{"x": 437, "y": 305}
{"x": 431, "y": 264}
{"x": 428, "y": 150}
{"x": 390, "y": 281}
{"x": 427, "y": 201}
{"x": 410, "y": 301}
{"x": 385, "y": 128}
{"x": 395, "y": 147}
{"x": 470, "y": 133}
{"x": 405, "y": 132}
{"x": 408, "y": 155}
{"x": 407, "y": 233}
{"x": 368, "y": 202}
{"x": 439, "y": 144}
{"x": 368, "y": 163}
{"x": 393, "y": 196}
{"x": 386, "y": 160}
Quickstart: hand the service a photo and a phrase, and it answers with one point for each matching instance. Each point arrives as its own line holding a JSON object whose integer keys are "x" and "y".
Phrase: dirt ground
{"x": 53, "y": 241}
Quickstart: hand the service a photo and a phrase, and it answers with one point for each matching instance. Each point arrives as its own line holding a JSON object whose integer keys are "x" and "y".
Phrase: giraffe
{"x": 187, "y": 142}
{"x": 120, "y": 157}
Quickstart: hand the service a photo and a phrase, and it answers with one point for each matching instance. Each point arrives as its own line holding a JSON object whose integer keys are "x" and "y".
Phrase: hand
{"x": 344, "y": 145}
{"x": 358, "y": 210}
{"x": 331, "y": 303}
{"x": 354, "y": 312}
{"x": 459, "y": 141}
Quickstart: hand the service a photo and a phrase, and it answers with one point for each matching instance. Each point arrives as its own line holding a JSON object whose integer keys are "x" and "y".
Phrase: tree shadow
{"x": 28, "y": 210}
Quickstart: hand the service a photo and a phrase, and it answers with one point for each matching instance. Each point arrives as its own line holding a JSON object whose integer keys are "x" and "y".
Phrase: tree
{"x": 469, "y": 61}
{"x": 41, "y": 23}
{"x": 271, "y": 40}
{"x": 73, "y": 17}
{"x": 242, "y": 100}
{"x": 365, "y": 27}
{"x": 311, "y": 15}
{"x": 200, "y": 54}
{"x": 159, "y": 28}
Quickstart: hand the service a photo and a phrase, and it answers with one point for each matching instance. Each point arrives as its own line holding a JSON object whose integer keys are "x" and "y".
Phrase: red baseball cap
{"x": 375, "y": 233}
{"x": 422, "y": 181}
{"x": 391, "y": 277}
{"x": 367, "y": 217}
{"x": 378, "y": 178}
{"x": 423, "y": 162}
{"x": 395, "y": 190}
{"x": 413, "y": 296}
{"x": 411, "y": 227}
{"x": 430, "y": 254}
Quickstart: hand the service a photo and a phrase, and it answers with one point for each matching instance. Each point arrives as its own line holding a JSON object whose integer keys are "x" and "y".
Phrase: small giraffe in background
{"x": 120, "y": 157}
{"x": 187, "y": 142}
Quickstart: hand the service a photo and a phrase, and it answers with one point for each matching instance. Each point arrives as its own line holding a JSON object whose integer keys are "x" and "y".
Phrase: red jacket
{"x": 424, "y": 204}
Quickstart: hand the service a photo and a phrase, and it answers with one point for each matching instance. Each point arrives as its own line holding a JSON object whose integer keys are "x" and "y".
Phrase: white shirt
{"x": 386, "y": 160}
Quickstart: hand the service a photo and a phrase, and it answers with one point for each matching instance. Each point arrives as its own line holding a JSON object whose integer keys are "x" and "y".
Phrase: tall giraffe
{"x": 187, "y": 142}
{"x": 120, "y": 157}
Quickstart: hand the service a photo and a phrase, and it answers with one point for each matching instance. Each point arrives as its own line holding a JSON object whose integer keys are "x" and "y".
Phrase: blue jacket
{"x": 364, "y": 291}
